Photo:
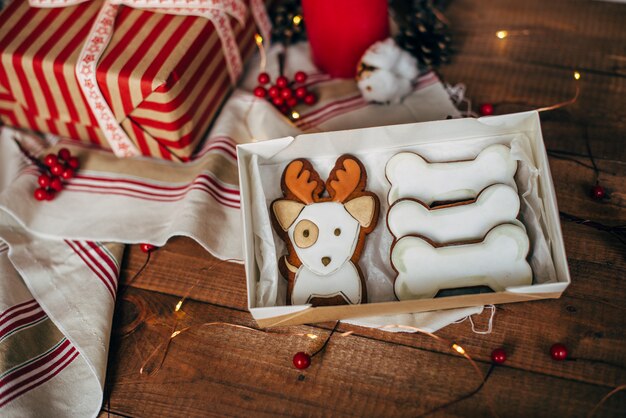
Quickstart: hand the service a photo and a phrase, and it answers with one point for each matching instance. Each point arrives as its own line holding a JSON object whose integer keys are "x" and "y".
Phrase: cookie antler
{"x": 345, "y": 178}
{"x": 302, "y": 181}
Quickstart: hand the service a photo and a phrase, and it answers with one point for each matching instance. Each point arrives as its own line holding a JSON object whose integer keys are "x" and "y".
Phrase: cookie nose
{"x": 325, "y": 260}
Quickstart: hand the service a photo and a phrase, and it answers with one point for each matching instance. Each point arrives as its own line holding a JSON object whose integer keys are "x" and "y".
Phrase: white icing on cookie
{"x": 413, "y": 177}
{"x": 495, "y": 205}
{"x": 334, "y": 250}
{"x": 344, "y": 281}
{"x": 498, "y": 262}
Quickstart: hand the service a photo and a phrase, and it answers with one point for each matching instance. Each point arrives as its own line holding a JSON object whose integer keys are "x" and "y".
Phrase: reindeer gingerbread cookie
{"x": 325, "y": 235}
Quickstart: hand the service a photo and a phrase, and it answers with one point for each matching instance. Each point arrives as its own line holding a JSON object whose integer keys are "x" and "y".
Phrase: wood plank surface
{"x": 227, "y": 371}
{"x": 221, "y": 370}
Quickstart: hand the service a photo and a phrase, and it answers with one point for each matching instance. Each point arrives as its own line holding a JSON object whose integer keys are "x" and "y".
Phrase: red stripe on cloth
{"x": 50, "y": 365}
{"x": 348, "y": 107}
{"x": 329, "y": 107}
{"x": 106, "y": 258}
{"x": 53, "y": 370}
{"x": 156, "y": 187}
{"x": 30, "y": 319}
{"x": 97, "y": 262}
{"x": 216, "y": 147}
{"x": 96, "y": 190}
{"x": 91, "y": 267}
{"x": 61, "y": 60}
{"x": 15, "y": 374}
{"x": 220, "y": 139}
{"x": 20, "y": 308}
{"x": 200, "y": 185}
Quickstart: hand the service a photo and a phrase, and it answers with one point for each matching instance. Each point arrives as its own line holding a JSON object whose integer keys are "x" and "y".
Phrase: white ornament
{"x": 386, "y": 72}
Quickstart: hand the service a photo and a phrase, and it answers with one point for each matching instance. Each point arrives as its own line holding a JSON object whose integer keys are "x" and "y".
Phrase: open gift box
{"x": 261, "y": 165}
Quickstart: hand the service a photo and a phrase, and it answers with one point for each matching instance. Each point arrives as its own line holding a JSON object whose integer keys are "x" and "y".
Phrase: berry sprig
{"x": 285, "y": 94}
{"x": 56, "y": 169}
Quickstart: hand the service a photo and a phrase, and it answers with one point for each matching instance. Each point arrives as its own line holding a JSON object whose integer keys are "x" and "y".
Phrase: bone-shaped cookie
{"x": 413, "y": 177}
{"x": 495, "y": 205}
{"x": 499, "y": 261}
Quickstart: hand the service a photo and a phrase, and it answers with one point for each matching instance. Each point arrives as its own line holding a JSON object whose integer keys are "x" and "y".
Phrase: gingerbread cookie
{"x": 499, "y": 261}
{"x": 464, "y": 221}
{"x": 413, "y": 177}
{"x": 325, "y": 235}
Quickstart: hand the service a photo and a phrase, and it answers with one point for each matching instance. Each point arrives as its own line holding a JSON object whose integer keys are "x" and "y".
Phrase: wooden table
{"x": 220, "y": 370}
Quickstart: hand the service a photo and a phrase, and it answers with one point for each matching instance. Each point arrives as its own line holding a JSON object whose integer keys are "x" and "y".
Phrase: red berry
{"x": 146, "y": 248}
{"x": 286, "y": 93}
{"x": 282, "y": 81}
{"x": 284, "y": 109}
{"x": 73, "y": 162}
{"x": 64, "y": 154}
{"x": 598, "y": 192}
{"x": 56, "y": 184}
{"x": 498, "y": 355}
{"x": 50, "y": 160}
{"x": 263, "y": 78}
{"x": 310, "y": 99}
{"x": 50, "y": 194}
{"x": 44, "y": 180}
{"x": 301, "y": 92}
{"x": 67, "y": 174}
{"x": 301, "y": 360}
{"x": 486, "y": 109}
{"x": 274, "y": 91}
{"x": 292, "y": 101}
{"x": 260, "y": 91}
{"x": 300, "y": 77}
{"x": 558, "y": 352}
{"x": 57, "y": 169}
{"x": 278, "y": 101}
{"x": 40, "y": 194}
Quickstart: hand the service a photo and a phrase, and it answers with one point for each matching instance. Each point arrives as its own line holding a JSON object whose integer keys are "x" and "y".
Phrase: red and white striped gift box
{"x": 163, "y": 76}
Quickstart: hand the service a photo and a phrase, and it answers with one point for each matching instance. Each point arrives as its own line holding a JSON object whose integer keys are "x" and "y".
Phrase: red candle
{"x": 340, "y": 31}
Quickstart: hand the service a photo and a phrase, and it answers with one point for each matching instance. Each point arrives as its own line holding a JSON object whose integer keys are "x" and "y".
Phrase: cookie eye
{"x": 337, "y": 232}
{"x": 305, "y": 233}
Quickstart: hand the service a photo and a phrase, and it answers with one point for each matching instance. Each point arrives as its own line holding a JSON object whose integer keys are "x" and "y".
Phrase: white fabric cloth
{"x": 54, "y": 266}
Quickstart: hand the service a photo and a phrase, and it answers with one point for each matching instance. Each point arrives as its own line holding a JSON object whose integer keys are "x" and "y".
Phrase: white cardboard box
{"x": 453, "y": 139}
